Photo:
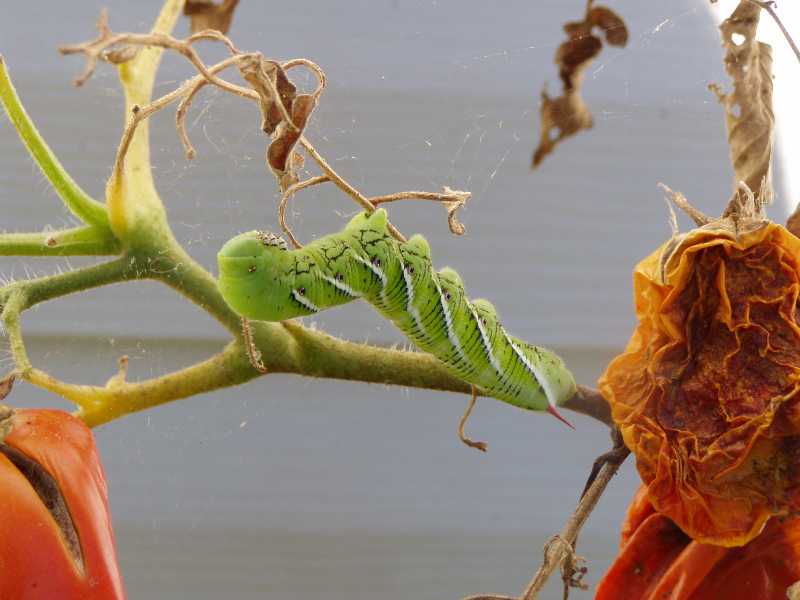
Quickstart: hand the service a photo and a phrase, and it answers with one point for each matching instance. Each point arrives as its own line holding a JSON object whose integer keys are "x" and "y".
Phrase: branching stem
{"x": 79, "y": 202}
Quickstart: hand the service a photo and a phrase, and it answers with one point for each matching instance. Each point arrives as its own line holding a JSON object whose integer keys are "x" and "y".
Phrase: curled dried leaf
{"x": 568, "y": 114}
{"x": 280, "y": 156}
{"x": 269, "y": 80}
{"x": 6, "y": 384}
{"x": 560, "y": 118}
{"x": 284, "y": 114}
{"x": 749, "y": 119}
{"x": 611, "y": 23}
{"x": 204, "y": 14}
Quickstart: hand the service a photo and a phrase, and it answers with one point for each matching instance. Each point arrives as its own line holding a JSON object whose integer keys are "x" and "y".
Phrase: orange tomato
{"x": 657, "y": 561}
{"x": 56, "y": 540}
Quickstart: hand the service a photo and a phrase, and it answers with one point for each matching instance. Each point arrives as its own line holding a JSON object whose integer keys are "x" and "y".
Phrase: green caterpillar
{"x": 261, "y": 279}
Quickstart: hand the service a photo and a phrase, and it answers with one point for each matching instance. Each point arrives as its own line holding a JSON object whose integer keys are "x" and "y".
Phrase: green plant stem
{"x": 21, "y": 295}
{"x": 79, "y": 241}
{"x": 79, "y": 202}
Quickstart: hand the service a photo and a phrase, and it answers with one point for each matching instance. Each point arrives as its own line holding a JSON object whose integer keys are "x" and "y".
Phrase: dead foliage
{"x": 566, "y": 115}
{"x": 204, "y": 14}
{"x": 749, "y": 119}
{"x": 6, "y": 384}
{"x": 284, "y": 114}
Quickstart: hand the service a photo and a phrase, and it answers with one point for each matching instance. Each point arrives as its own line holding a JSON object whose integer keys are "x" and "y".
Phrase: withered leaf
{"x": 259, "y": 73}
{"x": 568, "y": 114}
{"x": 611, "y": 23}
{"x": 749, "y": 119}
{"x": 204, "y": 14}
{"x": 267, "y": 77}
{"x": 560, "y": 118}
{"x": 573, "y": 56}
{"x": 280, "y": 150}
{"x": 6, "y": 384}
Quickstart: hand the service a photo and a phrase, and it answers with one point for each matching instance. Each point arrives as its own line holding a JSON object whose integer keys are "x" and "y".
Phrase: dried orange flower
{"x": 657, "y": 561}
{"x": 705, "y": 393}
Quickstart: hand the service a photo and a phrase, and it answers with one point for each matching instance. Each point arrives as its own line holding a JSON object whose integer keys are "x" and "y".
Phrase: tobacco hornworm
{"x": 261, "y": 279}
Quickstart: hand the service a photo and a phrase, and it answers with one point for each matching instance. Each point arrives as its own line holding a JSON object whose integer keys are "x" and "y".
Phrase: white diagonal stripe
{"x": 548, "y": 390}
{"x": 410, "y": 299}
{"x": 304, "y": 301}
{"x": 487, "y": 345}
{"x": 374, "y": 268}
{"x": 341, "y": 286}
{"x": 448, "y": 322}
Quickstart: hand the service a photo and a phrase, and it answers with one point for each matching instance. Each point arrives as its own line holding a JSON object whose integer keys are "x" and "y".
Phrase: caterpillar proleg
{"x": 261, "y": 279}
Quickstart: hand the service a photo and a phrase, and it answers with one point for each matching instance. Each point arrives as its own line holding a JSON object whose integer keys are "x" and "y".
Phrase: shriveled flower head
{"x": 706, "y": 392}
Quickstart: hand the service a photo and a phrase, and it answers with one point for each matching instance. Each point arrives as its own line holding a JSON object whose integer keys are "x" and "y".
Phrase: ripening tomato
{"x": 658, "y": 561}
{"x": 56, "y": 541}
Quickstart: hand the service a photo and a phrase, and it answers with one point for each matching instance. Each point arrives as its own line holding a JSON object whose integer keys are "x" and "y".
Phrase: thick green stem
{"x": 100, "y": 405}
{"x": 181, "y": 272}
{"x": 79, "y": 241}
{"x": 133, "y": 202}
{"x": 79, "y": 202}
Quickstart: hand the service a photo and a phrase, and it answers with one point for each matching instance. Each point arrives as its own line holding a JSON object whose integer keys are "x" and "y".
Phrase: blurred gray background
{"x": 294, "y": 488}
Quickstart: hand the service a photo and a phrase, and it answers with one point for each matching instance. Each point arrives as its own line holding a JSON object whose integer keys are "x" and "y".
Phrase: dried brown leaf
{"x": 560, "y": 118}
{"x": 568, "y": 114}
{"x": 265, "y": 76}
{"x": 749, "y": 118}
{"x": 6, "y": 384}
{"x": 284, "y": 115}
{"x": 611, "y": 23}
{"x": 573, "y": 56}
{"x": 280, "y": 157}
{"x": 204, "y": 14}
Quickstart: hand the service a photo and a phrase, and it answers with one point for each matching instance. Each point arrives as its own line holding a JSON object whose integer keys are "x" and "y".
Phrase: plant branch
{"x": 560, "y": 549}
{"x": 286, "y": 196}
{"x": 343, "y": 185}
{"x": 78, "y": 241}
{"x": 101, "y": 404}
{"x": 556, "y": 553}
{"x": 79, "y": 203}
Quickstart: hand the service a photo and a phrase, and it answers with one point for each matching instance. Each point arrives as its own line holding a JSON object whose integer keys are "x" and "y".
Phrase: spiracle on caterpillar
{"x": 261, "y": 279}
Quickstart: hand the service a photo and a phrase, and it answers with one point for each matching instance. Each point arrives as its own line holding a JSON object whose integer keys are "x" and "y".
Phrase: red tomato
{"x": 56, "y": 540}
{"x": 658, "y": 561}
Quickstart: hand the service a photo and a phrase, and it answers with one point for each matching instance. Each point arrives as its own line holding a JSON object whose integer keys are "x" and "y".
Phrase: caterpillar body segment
{"x": 261, "y": 279}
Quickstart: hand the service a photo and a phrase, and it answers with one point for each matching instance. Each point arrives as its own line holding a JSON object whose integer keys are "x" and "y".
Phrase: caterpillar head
{"x": 252, "y": 278}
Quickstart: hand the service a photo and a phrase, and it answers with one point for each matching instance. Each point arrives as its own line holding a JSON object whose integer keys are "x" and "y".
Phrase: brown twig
{"x": 291, "y": 191}
{"x": 590, "y": 402}
{"x": 343, "y": 185}
{"x": 452, "y": 200}
{"x": 463, "y": 421}
{"x": 555, "y": 554}
{"x": 560, "y": 549}
{"x": 681, "y": 202}
{"x": 314, "y": 68}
